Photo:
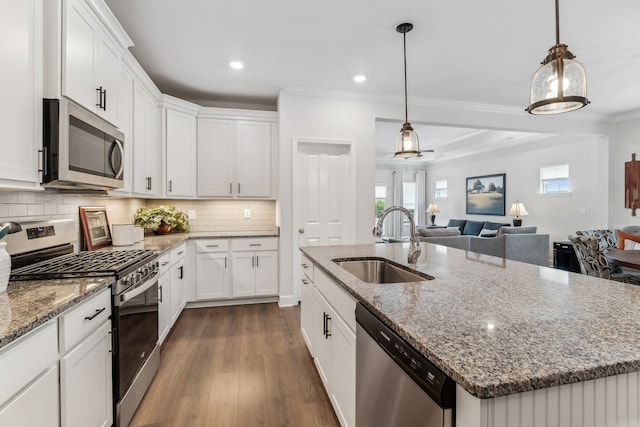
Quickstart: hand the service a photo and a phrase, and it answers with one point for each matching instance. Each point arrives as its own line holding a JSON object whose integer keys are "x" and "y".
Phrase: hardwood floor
{"x": 244, "y": 365}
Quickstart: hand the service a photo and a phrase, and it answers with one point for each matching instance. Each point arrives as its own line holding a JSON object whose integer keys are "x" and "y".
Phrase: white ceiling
{"x": 467, "y": 51}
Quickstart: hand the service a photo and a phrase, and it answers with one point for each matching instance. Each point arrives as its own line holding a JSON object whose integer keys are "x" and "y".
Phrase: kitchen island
{"x": 523, "y": 343}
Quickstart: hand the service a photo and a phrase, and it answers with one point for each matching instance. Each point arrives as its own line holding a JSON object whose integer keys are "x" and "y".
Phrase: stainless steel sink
{"x": 380, "y": 270}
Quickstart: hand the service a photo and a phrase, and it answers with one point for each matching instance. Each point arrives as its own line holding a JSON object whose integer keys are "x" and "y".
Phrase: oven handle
{"x": 138, "y": 290}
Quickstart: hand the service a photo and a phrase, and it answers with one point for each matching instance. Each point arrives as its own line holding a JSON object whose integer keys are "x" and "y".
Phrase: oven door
{"x": 135, "y": 321}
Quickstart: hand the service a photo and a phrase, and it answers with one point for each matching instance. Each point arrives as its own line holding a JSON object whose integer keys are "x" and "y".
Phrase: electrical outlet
{"x": 192, "y": 214}
{"x": 247, "y": 213}
{"x": 582, "y": 212}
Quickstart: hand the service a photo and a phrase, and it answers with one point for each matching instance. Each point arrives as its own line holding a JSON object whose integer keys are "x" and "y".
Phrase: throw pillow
{"x": 457, "y": 223}
{"x": 622, "y": 236}
{"x": 494, "y": 225}
{"x": 631, "y": 245}
{"x": 472, "y": 228}
{"x": 487, "y": 232}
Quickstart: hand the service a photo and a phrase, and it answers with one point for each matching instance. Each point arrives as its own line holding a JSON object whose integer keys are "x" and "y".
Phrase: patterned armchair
{"x": 593, "y": 262}
{"x": 606, "y": 239}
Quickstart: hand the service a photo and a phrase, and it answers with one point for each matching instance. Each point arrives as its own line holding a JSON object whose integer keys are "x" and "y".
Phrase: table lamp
{"x": 433, "y": 210}
{"x": 517, "y": 210}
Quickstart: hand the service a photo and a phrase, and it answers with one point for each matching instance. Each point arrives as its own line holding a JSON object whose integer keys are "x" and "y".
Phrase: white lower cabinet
{"x": 236, "y": 268}
{"x": 177, "y": 299}
{"x": 329, "y": 320}
{"x": 36, "y": 405}
{"x": 85, "y": 382}
{"x": 171, "y": 289}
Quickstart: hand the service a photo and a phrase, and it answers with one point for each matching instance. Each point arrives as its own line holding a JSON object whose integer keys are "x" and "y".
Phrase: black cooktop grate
{"x": 84, "y": 264}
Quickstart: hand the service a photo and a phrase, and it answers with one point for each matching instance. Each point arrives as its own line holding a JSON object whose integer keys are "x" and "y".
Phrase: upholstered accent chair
{"x": 593, "y": 262}
{"x": 606, "y": 239}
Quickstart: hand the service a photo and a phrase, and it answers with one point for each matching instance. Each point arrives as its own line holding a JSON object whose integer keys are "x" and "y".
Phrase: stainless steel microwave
{"x": 80, "y": 149}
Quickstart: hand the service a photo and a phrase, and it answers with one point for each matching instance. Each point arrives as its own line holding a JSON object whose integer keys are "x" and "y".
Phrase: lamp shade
{"x": 407, "y": 143}
{"x": 433, "y": 208}
{"x": 548, "y": 95}
{"x": 518, "y": 209}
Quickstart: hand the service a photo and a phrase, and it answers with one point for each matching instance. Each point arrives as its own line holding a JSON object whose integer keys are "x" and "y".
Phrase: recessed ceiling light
{"x": 236, "y": 65}
{"x": 359, "y": 78}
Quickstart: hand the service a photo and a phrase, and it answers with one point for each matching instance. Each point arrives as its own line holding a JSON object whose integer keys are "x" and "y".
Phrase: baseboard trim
{"x": 226, "y": 302}
{"x": 288, "y": 300}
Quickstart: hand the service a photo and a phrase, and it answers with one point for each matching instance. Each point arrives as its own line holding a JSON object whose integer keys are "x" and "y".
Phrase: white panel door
{"x": 322, "y": 186}
{"x": 266, "y": 273}
{"x": 81, "y": 35}
{"x": 244, "y": 274}
{"x": 21, "y": 87}
{"x": 253, "y": 159}
{"x": 215, "y": 157}
{"x": 212, "y": 280}
{"x": 181, "y": 145}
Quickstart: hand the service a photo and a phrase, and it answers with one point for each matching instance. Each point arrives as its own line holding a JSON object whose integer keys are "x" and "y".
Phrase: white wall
{"x": 305, "y": 113}
{"x": 626, "y": 140}
{"x": 557, "y": 216}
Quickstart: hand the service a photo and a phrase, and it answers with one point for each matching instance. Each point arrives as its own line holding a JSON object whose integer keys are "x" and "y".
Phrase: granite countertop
{"x": 28, "y": 304}
{"x": 498, "y": 326}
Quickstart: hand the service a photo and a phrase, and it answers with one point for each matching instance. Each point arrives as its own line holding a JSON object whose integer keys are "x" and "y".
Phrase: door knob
{"x": 301, "y": 230}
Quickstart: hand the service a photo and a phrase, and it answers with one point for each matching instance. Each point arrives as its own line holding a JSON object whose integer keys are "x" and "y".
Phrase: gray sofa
{"x": 516, "y": 243}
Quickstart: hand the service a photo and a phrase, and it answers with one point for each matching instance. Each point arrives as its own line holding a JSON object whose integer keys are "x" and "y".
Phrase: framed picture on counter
{"x": 486, "y": 194}
{"x": 95, "y": 227}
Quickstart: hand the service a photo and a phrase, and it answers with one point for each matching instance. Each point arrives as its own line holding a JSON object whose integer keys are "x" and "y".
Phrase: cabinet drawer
{"x": 307, "y": 267}
{"x": 340, "y": 300}
{"x": 257, "y": 244}
{"x": 84, "y": 319}
{"x": 163, "y": 262}
{"x": 178, "y": 253}
{"x": 212, "y": 245}
{"x": 27, "y": 358}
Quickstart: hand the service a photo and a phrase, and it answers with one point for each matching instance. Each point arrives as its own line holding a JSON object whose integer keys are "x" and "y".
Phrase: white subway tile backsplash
{"x": 17, "y": 209}
{"x": 35, "y": 209}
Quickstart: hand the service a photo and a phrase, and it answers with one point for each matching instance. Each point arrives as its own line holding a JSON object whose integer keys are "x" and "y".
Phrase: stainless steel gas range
{"x": 44, "y": 250}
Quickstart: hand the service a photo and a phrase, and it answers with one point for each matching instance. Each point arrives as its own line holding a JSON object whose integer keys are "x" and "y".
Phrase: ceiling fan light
{"x": 547, "y": 96}
{"x": 407, "y": 143}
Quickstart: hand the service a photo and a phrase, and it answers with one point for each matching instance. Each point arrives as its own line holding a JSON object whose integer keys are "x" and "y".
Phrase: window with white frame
{"x": 441, "y": 189}
{"x": 381, "y": 197}
{"x": 555, "y": 179}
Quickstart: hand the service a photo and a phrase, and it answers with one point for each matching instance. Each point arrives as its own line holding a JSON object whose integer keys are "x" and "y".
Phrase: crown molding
{"x": 580, "y": 116}
{"x": 627, "y": 116}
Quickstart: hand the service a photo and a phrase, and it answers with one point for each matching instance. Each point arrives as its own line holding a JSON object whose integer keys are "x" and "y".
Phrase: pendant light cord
{"x": 557, "y": 22}
{"x": 406, "y": 111}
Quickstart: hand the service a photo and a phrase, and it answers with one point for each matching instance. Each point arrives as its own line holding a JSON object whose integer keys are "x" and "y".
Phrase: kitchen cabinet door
{"x": 215, "y": 157}
{"x": 180, "y": 129}
{"x": 177, "y": 290}
{"x": 307, "y": 316}
{"x": 253, "y": 159}
{"x": 243, "y": 273}
{"x": 21, "y": 88}
{"x": 343, "y": 381}
{"x": 36, "y": 405}
{"x": 146, "y": 144}
{"x": 91, "y": 61}
{"x": 85, "y": 382}
{"x": 164, "y": 306}
{"x": 212, "y": 280}
{"x": 266, "y": 273}
{"x": 125, "y": 120}
{"x": 323, "y": 356}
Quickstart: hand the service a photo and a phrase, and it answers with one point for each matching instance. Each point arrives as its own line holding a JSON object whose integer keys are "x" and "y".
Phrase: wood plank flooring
{"x": 244, "y": 365}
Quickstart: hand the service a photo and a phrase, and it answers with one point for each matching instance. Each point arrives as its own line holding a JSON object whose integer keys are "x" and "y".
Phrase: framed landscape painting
{"x": 486, "y": 194}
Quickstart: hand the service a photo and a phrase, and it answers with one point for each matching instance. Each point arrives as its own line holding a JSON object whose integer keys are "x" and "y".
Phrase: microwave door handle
{"x": 118, "y": 144}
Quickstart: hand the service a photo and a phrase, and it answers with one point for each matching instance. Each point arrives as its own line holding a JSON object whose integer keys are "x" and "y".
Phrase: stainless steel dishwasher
{"x": 396, "y": 385}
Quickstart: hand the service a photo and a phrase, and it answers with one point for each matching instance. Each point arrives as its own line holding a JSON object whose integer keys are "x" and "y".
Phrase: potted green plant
{"x": 161, "y": 219}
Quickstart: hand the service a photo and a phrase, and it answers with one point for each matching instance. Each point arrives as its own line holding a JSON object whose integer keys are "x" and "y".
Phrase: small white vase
{"x": 5, "y": 266}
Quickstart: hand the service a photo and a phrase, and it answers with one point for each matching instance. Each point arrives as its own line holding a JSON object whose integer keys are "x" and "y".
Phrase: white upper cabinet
{"x": 21, "y": 87}
{"x": 235, "y": 150}
{"x": 146, "y": 142}
{"x": 90, "y": 60}
{"x": 180, "y": 147}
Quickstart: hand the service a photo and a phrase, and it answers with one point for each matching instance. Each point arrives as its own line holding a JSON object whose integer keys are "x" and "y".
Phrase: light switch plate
{"x": 192, "y": 214}
{"x": 247, "y": 213}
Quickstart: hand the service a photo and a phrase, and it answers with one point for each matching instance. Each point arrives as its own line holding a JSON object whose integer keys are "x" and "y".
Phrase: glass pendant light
{"x": 407, "y": 142}
{"x": 560, "y": 84}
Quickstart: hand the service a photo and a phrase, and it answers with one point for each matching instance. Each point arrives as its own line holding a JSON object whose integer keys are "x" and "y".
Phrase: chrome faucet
{"x": 414, "y": 249}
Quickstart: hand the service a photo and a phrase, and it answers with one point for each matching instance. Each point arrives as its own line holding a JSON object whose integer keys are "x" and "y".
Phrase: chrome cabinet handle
{"x": 98, "y": 311}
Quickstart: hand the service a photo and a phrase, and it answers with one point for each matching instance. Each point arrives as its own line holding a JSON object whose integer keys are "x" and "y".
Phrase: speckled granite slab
{"x": 498, "y": 326}
{"x": 28, "y": 304}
